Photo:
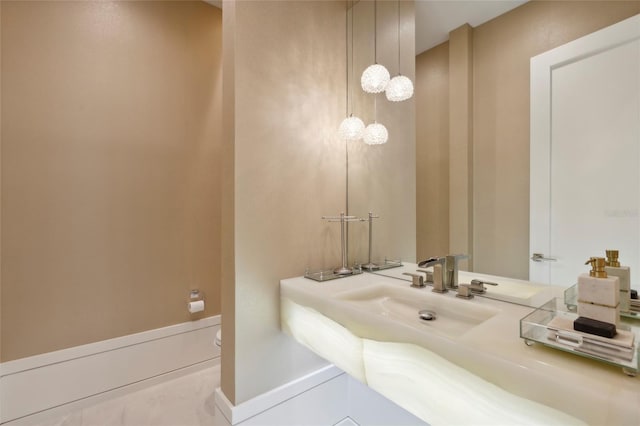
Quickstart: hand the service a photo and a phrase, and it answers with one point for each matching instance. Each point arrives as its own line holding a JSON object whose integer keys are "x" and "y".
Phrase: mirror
{"x": 382, "y": 177}
{"x": 501, "y": 132}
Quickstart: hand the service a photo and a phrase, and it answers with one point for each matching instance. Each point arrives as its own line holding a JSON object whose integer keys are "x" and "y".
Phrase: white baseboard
{"x": 42, "y": 382}
{"x": 327, "y": 396}
{"x": 290, "y": 395}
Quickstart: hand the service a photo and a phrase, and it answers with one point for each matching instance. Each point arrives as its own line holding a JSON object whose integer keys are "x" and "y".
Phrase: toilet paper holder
{"x": 196, "y": 302}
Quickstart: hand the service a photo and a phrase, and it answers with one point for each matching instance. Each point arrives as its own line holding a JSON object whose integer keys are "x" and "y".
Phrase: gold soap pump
{"x": 612, "y": 258}
{"x": 597, "y": 267}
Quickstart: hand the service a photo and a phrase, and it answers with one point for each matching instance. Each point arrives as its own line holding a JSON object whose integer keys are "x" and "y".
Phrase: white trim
{"x": 541, "y": 68}
{"x": 34, "y": 384}
{"x": 36, "y": 361}
{"x": 347, "y": 421}
{"x": 51, "y": 415}
{"x": 326, "y": 396}
{"x": 238, "y": 413}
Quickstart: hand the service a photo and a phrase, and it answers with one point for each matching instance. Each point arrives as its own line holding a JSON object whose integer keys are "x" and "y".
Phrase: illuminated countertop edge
{"x": 494, "y": 351}
{"x": 422, "y": 382}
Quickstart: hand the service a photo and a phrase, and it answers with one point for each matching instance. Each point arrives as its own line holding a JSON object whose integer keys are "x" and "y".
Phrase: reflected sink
{"x": 454, "y": 317}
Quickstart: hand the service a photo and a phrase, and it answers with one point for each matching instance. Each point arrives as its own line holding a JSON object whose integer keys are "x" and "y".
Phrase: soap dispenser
{"x": 599, "y": 294}
{"x": 613, "y": 269}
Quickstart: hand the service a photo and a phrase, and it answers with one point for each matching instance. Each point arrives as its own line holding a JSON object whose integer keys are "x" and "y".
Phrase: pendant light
{"x": 376, "y": 77}
{"x": 400, "y": 88}
{"x": 351, "y": 128}
{"x": 375, "y": 133}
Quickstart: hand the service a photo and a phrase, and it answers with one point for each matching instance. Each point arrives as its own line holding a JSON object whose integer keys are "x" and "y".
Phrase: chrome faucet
{"x": 437, "y": 277}
{"x": 451, "y": 266}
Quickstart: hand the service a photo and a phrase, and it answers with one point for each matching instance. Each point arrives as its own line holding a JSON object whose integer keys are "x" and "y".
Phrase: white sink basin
{"x": 453, "y": 317}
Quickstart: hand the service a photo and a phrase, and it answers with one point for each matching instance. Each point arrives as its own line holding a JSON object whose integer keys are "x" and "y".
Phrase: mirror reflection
{"x": 585, "y": 128}
{"x": 473, "y": 120}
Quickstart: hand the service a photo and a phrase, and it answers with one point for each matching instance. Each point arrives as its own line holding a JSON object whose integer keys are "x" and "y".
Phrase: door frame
{"x": 541, "y": 68}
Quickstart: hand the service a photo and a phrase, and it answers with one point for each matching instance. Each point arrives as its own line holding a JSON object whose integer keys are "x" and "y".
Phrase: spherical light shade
{"x": 351, "y": 129}
{"x": 400, "y": 88}
{"x": 375, "y": 134}
{"x": 374, "y": 79}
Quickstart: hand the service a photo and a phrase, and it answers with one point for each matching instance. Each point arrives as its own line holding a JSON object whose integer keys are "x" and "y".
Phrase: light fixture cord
{"x": 353, "y": 64}
{"x": 375, "y": 31}
{"x": 398, "y": 9}
{"x": 346, "y": 142}
{"x": 346, "y": 34}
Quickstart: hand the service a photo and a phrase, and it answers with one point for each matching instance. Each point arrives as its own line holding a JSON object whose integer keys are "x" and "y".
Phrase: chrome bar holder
{"x": 343, "y": 219}
{"x": 370, "y": 266}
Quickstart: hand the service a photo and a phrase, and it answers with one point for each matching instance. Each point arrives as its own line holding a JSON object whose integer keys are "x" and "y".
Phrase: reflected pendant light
{"x": 351, "y": 128}
{"x": 400, "y": 88}
{"x": 375, "y": 133}
{"x": 376, "y": 77}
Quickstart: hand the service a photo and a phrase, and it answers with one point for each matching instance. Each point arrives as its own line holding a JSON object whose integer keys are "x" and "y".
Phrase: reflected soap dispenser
{"x": 613, "y": 269}
{"x": 599, "y": 294}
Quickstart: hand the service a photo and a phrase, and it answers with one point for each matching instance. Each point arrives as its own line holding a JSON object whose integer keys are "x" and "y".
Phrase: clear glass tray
{"x": 571, "y": 300}
{"x": 328, "y": 275}
{"x": 380, "y": 266}
{"x": 357, "y": 269}
{"x": 536, "y": 328}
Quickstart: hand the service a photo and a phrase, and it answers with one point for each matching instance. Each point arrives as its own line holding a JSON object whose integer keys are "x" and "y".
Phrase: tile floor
{"x": 185, "y": 401}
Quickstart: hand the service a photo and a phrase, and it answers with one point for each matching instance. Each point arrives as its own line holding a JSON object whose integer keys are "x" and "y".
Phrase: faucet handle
{"x": 417, "y": 281}
{"x": 428, "y": 275}
{"x": 477, "y": 286}
{"x": 464, "y": 291}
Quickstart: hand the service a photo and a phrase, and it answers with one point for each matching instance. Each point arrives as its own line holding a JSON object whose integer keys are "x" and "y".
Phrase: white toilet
{"x": 218, "y": 340}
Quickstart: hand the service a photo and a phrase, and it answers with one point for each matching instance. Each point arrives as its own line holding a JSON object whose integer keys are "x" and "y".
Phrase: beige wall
{"x": 502, "y": 49}
{"x": 432, "y": 152}
{"x": 288, "y": 170}
{"x": 227, "y": 232}
{"x": 111, "y": 118}
{"x": 0, "y": 182}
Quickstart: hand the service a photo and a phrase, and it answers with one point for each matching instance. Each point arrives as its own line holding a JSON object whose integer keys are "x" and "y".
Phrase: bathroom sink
{"x": 342, "y": 320}
{"x": 453, "y": 317}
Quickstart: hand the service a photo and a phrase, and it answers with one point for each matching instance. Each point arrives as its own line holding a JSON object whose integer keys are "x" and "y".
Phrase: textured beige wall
{"x": 502, "y": 49}
{"x": 432, "y": 152}
{"x": 289, "y": 170}
{"x": 461, "y": 144}
{"x": 227, "y": 234}
{"x": 111, "y": 117}
{"x": 0, "y": 182}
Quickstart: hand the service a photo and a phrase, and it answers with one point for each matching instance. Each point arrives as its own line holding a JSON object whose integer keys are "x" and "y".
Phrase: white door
{"x": 585, "y": 153}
